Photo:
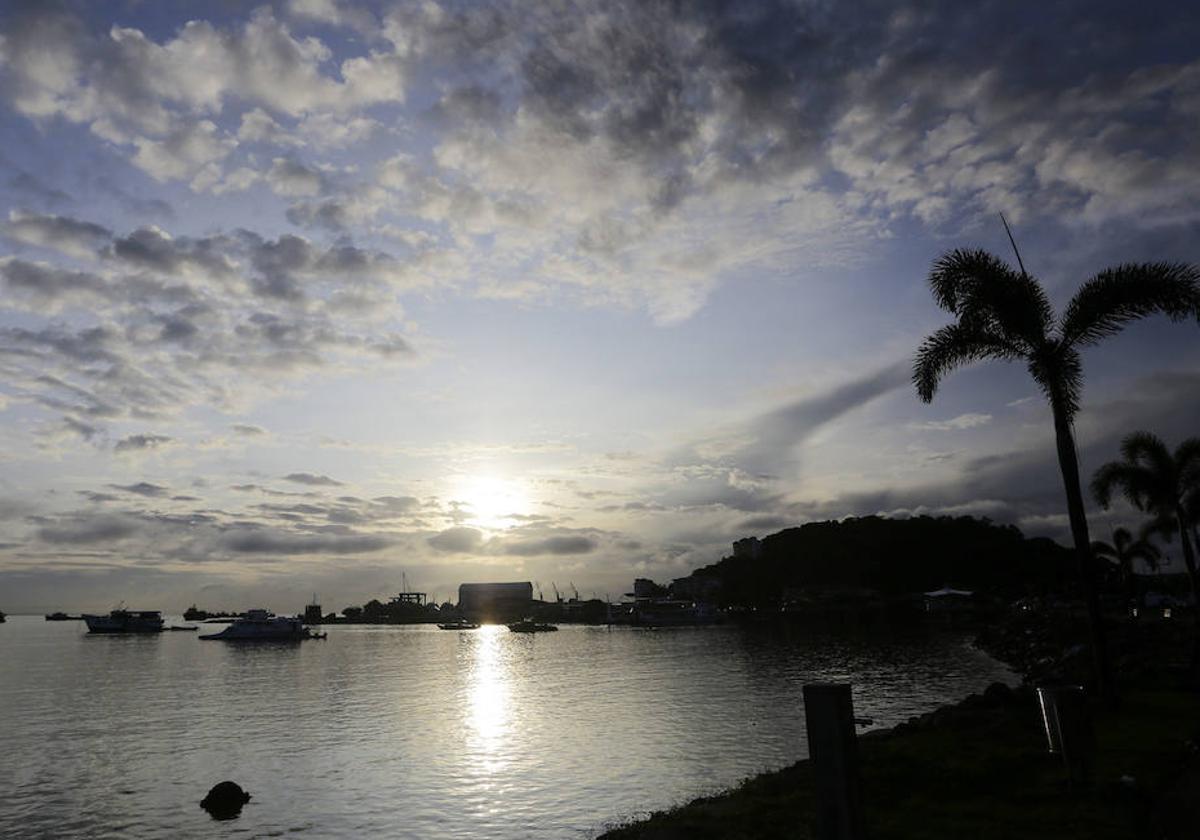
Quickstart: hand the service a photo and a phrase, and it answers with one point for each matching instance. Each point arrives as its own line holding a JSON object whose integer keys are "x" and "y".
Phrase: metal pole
{"x": 833, "y": 754}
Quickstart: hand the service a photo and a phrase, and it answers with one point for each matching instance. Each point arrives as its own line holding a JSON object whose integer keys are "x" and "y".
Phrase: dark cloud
{"x": 142, "y": 488}
{"x": 46, "y": 283}
{"x": 563, "y": 545}
{"x": 153, "y": 249}
{"x": 459, "y": 540}
{"x": 261, "y": 541}
{"x": 85, "y": 531}
{"x": 133, "y": 443}
{"x": 248, "y": 430}
{"x": 311, "y": 479}
{"x": 777, "y": 433}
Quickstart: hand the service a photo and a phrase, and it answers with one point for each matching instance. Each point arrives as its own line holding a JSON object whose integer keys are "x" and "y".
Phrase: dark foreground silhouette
{"x": 225, "y": 800}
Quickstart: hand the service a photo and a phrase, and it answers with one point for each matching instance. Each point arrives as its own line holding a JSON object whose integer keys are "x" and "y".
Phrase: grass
{"x": 978, "y": 770}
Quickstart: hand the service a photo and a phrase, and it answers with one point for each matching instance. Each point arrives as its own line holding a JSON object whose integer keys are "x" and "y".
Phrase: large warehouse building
{"x": 495, "y": 601}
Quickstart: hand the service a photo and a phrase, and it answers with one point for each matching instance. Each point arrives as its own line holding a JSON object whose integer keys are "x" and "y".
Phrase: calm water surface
{"x": 416, "y": 732}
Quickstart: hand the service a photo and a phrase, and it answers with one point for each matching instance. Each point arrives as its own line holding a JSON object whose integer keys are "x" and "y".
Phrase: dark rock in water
{"x": 225, "y": 800}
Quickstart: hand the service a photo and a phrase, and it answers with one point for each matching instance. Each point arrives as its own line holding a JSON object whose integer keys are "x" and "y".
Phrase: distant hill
{"x": 889, "y": 556}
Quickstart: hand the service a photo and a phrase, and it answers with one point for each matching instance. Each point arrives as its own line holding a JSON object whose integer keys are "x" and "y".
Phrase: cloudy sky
{"x": 303, "y": 295}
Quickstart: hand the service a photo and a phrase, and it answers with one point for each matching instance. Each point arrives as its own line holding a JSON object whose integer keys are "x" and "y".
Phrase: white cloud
{"x": 183, "y": 153}
{"x": 959, "y": 423}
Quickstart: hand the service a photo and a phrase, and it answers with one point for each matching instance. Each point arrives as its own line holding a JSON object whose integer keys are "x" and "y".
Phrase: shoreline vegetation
{"x": 980, "y": 767}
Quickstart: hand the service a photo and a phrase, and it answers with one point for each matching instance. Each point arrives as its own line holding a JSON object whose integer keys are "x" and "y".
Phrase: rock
{"x": 225, "y": 800}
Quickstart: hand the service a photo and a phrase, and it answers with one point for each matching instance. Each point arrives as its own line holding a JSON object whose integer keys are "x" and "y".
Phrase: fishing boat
{"x": 264, "y": 626}
{"x": 460, "y": 624}
{"x": 125, "y": 621}
{"x": 528, "y": 625}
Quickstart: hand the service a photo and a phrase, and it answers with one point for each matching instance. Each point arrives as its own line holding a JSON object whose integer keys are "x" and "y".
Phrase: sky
{"x": 303, "y": 297}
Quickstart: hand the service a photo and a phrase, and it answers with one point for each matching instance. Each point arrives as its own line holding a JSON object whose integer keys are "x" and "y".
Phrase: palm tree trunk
{"x": 1068, "y": 462}
{"x": 1189, "y": 559}
{"x": 1131, "y": 587}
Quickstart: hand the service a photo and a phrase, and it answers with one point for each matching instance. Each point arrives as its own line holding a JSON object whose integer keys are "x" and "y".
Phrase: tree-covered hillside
{"x": 893, "y": 556}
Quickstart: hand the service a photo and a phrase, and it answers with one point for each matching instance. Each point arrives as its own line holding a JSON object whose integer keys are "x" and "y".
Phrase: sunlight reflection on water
{"x": 489, "y": 690}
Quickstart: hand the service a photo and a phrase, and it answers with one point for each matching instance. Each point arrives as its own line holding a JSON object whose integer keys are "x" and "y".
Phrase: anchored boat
{"x": 264, "y": 626}
{"x": 125, "y": 621}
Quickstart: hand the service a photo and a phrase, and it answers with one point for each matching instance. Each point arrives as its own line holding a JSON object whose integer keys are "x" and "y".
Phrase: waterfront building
{"x": 495, "y": 601}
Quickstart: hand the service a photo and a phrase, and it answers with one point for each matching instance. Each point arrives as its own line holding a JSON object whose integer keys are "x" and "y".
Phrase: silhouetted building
{"x": 312, "y": 613}
{"x": 409, "y": 599}
{"x": 495, "y": 601}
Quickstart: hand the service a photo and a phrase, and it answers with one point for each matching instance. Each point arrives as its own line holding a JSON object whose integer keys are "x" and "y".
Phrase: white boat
{"x": 264, "y": 626}
{"x": 125, "y": 621}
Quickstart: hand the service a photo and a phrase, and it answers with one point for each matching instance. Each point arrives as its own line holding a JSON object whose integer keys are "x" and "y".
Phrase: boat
{"x": 461, "y": 624}
{"x": 125, "y": 621}
{"x": 265, "y": 626}
{"x": 177, "y": 628}
{"x": 193, "y": 614}
{"x": 528, "y": 625}
{"x": 62, "y": 616}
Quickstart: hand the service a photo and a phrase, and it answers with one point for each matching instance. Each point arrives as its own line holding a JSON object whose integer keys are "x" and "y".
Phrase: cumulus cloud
{"x": 70, "y": 236}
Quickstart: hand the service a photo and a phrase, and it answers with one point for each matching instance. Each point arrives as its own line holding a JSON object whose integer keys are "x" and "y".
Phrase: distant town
{"x": 869, "y": 568}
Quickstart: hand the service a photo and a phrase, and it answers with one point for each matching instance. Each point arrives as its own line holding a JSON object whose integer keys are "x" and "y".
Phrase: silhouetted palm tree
{"x": 1123, "y": 550}
{"x": 1160, "y": 483}
{"x": 1005, "y": 314}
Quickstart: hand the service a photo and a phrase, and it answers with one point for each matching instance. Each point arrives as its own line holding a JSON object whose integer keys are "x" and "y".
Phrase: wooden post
{"x": 833, "y": 753}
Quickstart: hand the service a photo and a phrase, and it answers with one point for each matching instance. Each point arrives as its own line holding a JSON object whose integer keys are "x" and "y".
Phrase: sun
{"x": 492, "y": 502}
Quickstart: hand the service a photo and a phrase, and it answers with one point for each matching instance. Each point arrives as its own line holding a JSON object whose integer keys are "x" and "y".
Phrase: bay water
{"x": 415, "y": 732}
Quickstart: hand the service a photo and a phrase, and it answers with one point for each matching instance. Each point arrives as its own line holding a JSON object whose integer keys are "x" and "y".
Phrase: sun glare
{"x": 492, "y": 502}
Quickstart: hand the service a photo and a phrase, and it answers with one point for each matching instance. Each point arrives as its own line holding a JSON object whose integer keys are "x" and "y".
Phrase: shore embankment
{"x": 979, "y": 768}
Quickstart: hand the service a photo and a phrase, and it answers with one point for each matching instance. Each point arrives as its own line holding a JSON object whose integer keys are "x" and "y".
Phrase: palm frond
{"x": 1103, "y": 549}
{"x": 952, "y": 346}
{"x": 1149, "y": 450}
{"x": 1134, "y": 482}
{"x": 1114, "y": 297}
{"x": 1187, "y": 464}
{"x": 982, "y": 289}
